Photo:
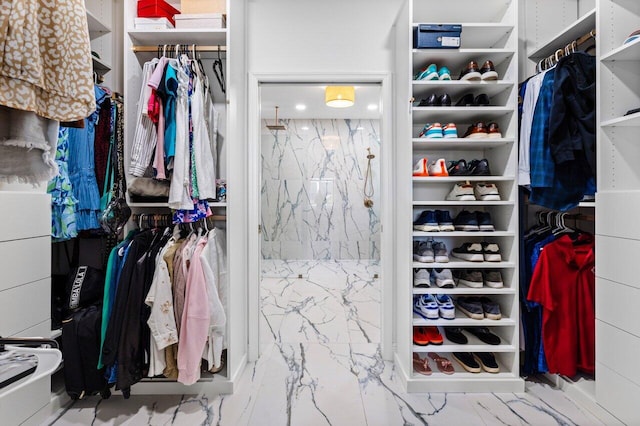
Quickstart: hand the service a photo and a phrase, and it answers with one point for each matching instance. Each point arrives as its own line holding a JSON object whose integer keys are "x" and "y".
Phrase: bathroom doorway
{"x": 320, "y": 216}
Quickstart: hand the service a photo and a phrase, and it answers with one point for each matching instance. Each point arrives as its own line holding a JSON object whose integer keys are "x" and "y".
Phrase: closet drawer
{"x": 618, "y": 222}
{"x": 617, "y": 395}
{"x": 617, "y": 304}
{"x": 24, "y": 306}
{"x": 616, "y": 260}
{"x": 24, "y": 215}
{"x": 23, "y": 403}
{"x": 24, "y": 261}
{"x": 618, "y": 350}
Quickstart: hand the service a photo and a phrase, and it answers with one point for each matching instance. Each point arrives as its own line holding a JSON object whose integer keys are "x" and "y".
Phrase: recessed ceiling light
{"x": 304, "y": 128}
{"x": 372, "y": 107}
{"x": 301, "y": 107}
{"x": 359, "y": 128}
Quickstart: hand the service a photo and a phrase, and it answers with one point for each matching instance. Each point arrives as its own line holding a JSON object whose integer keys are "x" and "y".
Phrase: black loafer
{"x": 481, "y": 100}
{"x": 483, "y": 334}
{"x": 454, "y": 334}
{"x": 487, "y": 361}
{"x": 431, "y": 101}
{"x": 444, "y": 100}
{"x": 467, "y": 361}
{"x": 466, "y": 100}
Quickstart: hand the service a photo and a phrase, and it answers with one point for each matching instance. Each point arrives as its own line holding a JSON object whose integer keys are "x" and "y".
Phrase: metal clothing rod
{"x": 187, "y": 46}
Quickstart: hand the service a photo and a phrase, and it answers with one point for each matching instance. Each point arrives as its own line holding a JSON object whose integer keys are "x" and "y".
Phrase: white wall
{"x": 329, "y": 36}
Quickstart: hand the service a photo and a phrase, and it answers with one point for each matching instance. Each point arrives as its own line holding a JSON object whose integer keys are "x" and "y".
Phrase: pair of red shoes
{"x": 423, "y": 336}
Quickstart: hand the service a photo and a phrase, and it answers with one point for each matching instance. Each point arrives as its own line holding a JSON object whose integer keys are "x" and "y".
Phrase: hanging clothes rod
{"x": 186, "y": 46}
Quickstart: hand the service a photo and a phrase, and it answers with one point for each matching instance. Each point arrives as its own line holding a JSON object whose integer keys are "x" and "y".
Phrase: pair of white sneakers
{"x": 481, "y": 191}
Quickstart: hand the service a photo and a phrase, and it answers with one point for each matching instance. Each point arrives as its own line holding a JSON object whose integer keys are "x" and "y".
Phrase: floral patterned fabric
{"x": 63, "y": 217}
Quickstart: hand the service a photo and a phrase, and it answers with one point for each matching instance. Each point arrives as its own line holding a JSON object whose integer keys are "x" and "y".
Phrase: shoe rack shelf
{"x": 617, "y": 91}
{"x": 488, "y": 33}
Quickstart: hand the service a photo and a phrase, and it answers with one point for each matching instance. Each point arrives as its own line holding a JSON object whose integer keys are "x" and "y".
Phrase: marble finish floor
{"x": 321, "y": 365}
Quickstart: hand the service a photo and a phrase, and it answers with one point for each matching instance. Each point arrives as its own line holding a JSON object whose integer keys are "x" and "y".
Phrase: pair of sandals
{"x": 421, "y": 365}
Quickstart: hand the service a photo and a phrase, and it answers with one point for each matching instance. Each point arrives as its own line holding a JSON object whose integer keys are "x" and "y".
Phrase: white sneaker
{"x": 421, "y": 277}
{"x": 486, "y": 192}
{"x": 461, "y": 192}
{"x": 423, "y": 252}
{"x": 442, "y": 278}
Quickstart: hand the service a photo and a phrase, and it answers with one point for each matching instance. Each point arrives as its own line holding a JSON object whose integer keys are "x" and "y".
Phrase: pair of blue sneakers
{"x": 433, "y": 73}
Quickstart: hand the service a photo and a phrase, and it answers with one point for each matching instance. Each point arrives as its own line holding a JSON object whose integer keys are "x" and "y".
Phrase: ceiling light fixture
{"x": 372, "y": 107}
{"x": 340, "y": 96}
{"x": 301, "y": 107}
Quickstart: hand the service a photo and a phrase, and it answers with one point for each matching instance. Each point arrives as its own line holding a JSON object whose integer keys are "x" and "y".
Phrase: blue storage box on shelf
{"x": 437, "y": 36}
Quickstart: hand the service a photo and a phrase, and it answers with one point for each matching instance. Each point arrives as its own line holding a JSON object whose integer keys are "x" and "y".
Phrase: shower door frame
{"x": 387, "y": 197}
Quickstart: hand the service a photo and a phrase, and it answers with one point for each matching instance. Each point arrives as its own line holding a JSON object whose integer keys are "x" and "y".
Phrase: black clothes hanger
{"x": 218, "y": 70}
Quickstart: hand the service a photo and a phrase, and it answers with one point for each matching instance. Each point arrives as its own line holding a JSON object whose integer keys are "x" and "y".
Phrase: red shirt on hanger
{"x": 564, "y": 284}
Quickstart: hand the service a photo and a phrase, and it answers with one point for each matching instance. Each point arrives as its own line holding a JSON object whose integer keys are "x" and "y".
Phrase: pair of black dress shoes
{"x": 445, "y": 100}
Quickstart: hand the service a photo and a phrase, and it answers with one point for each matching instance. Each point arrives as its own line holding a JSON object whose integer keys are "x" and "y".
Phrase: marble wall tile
{"x": 313, "y": 177}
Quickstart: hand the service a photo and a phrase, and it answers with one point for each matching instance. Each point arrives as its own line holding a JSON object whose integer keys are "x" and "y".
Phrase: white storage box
{"x": 152, "y": 24}
{"x": 201, "y": 20}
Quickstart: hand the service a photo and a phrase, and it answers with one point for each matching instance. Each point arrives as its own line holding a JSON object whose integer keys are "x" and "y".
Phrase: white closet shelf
{"x": 464, "y": 290}
{"x": 632, "y": 120}
{"x": 459, "y": 144}
{"x": 463, "y": 203}
{"x": 100, "y": 66}
{"x": 572, "y": 32}
{"x": 587, "y": 204}
{"x": 179, "y": 36}
{"x": 460, "y": 374}
{"x": 459, "y": 114}
{"x": 474, "y": 345}
{"x": 626, "y": 52}
{"x": 462, "y": 320}
{"x": 462, "y": 264}
{"x": 482, "y": 33}
{"x": 456, "y": 58}
{"x": 464, "y": 234}
{"x": 455, "y": 179}
{"x": 96, "y": 27}
{"x": 457, "y": 88}
{"x": 166, "y": 205}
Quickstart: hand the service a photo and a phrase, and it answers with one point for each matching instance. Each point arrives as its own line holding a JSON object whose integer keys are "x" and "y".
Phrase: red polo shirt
{"x": 564, "y": 284}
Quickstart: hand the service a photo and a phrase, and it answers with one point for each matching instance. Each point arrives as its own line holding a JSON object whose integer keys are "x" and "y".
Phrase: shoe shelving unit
{"x": 230, "y": 42}
{"x": 488, "y": 33}
{"x": 617, "y": 232}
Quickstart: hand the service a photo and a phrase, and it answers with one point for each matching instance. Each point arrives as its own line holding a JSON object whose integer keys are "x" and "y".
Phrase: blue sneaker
{"x": 432, "y": 130}
{"x": 450, "y": 131}
{"x": 466, "y": 221}
{"x": 445, "y": 306}
{"x": 429, "y": 73}
{"x": 427, "y": 221}
{"x": 444, "y": 220}
{"x": 444, "y": 74}
{"x": 426, "y": 306}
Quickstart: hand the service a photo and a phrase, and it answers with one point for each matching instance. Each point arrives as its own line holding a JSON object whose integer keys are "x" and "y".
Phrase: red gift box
{"x": 156, "y": 9}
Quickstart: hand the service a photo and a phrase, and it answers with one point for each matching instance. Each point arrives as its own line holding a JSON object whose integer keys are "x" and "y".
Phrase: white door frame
{"x": 387, "y": 197}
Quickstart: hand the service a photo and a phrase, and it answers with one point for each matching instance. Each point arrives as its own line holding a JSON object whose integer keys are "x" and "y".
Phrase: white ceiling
{"x": 287, "y": 96}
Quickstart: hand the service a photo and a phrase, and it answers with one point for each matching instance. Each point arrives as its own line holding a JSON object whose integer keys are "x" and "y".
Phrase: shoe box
{"x": 429, "y": 36}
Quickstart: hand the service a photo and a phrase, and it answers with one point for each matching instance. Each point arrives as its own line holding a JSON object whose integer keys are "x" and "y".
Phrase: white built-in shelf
{"x": 441, "y": 234}
{"x": 463, "y": 203}
{"x": 473, "y": 345}
{"x": 459, "y": 144}
{"x": 461, "y": 289}
{"x": 626, "y": 52}
{"x": 589, "y": 204}
{"x": 482, "y": 33}
{"x": 455, "y": 179}
{"x": 456, "y": 88}
{"x": 56, "y": 333}
{"x": 462, "y": 320}
{"x": 100, "y": 66}
{"x": 96, "y": 27}
{"x": 460, "y": 114}
{"x": 455, "y": 263}
{"x": 632, "y": 120}
{"x": 460, "y": 373}
{"x": 205, "y": 37}
{"x": 166, "y": 205}
{"x": 454, "y": 59}
{"x": 574, "y": 31}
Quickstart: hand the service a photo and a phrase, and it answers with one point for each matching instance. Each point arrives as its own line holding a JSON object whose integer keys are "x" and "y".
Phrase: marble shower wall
{"x": 312, "y": 181}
